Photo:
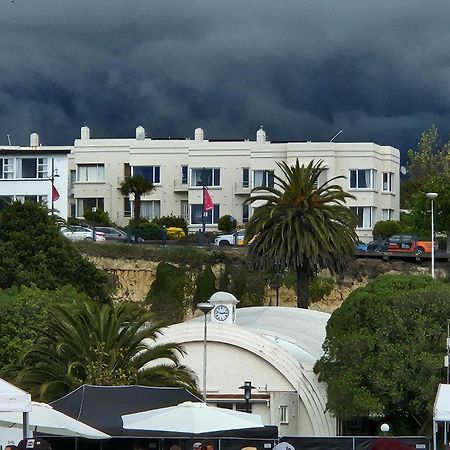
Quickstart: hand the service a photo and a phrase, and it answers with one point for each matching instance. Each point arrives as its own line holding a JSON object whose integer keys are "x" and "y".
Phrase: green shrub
{"x": 226, "y": 223}
{"x": 98, "y": 218}
{"x": 386, "y": 228}
{"x": 205, "y": 286}
{"x": 172, "y": 222}
{"x": 320, "y": 288}
{"x": 148, "y": 231}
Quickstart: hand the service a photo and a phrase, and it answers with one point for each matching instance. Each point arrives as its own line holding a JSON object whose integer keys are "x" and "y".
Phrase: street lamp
{"x": 385, "y": 428}
{"x": 432, "y": 196}
{"x": 276, "y": 283}
{"x": 247, "y": 387}
{"x": 205, "y": 308}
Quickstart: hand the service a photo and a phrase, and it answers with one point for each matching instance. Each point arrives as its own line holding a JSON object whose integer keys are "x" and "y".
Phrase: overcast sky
{"x": 379, "y": 70}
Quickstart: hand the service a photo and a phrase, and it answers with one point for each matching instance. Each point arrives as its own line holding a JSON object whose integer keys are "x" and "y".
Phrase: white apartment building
{"x": 26, "y": 174}
{"x": 230, "y": 170}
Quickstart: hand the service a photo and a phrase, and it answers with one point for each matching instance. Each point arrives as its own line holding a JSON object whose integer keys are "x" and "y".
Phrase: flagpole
{"x": 203, "y": 209}
{"x": 52, "y": 179}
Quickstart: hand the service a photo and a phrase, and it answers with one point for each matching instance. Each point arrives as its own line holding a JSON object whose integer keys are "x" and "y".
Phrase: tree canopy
{"x": 88, "y": 343}
{"x": 384, "y": 350}
{"x": 302, "y": 224}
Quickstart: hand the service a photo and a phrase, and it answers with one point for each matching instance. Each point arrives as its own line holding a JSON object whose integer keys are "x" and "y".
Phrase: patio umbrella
{"x": 191, "y": 418}
{"x": 45, "y": 419}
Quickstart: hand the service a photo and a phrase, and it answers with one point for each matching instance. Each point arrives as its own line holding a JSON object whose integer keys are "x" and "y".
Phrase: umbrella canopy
{"x": 45, "y": 419}
{"x": 192, "y": 418}
{"x": 13, "y": 399}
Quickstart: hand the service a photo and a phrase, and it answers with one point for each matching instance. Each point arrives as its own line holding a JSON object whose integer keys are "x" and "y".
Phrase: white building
{"x": 230, "y": 169}
{"x": 274, "y": 348}
{"x": 25, "y": 174}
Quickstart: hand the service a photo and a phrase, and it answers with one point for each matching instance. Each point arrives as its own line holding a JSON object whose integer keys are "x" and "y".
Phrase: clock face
{"x": 221, "y": 313}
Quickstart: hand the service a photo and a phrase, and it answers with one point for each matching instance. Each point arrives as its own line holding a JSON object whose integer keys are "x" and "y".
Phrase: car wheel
{"x": 87, "y": 239}
{"x": 224, "y": 243}
{"x": 420, "y": 250}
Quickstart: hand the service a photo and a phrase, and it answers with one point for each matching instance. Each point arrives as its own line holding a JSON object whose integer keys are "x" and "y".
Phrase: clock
{"x": 221, "y": 313}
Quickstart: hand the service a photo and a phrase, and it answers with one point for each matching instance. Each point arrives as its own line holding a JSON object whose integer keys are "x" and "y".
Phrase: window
{"x": 42, "y": 167}
{"x": 6, "y": 168}
{"x": 31, "y": 167}
{"x": 73, "y": 178}
{"x": 126, "y": 207}
{"x": 4, "y": 201}
{"x": 284, "y": 416}
{"x": 387, "y": 214}
{"x": 150, "y": 209}
{"x": 126, "y": 170}
{"x": 245, "y": 212}
{"x": 211, "y": 216}
{"x": 86, "y": 204}
{"x": 388, "y": 182}
{"x": 32, "y": 198}
{"x": 206, "y": 177}
{"x": 73, "y": 210}
{"x": 263, "y": 178}
{"x": 245, "y": 178}
{"x": 243, "y": 407}
{"x": 184, "y": 212}
{"x": 365, "y": 216}
{"x": 150, "y": 173}
{"x": 362, "y": 179}
{"x": 91, "y": 173}
{"x": 184, "y": 174}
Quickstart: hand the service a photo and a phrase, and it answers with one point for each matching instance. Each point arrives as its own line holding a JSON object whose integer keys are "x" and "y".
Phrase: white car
{"x": 79, "y": 233}
{"x": 236, "y": 238}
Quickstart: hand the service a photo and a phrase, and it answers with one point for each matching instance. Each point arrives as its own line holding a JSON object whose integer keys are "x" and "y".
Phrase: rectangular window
{"x": 73, "y": 178}
{"x": 211, "y": 216}
{"x": 150, "y": 209}
{"x": 245, "y": 212}
{"x": 245, "y": 177}
{"x": 86, "y": 204}
{"x": 73, "y": 210}
{"x": 388, "y": 182}
{"x": 242, "y": 407}
{"x": 4, "y": 201}
{"x": 42, "y": 167}
{"x": 6, "y": 168}
{"x": 387, "y": 214}
{"x": 184, "y": 212}
{"x": 365, "y": 216}
{"x": 126, "y": 170}
{"x": 362, "y": 179}
{"x": 206, "y": 177}
{"x": 31, "y": 167}
{"x": 263, "y": 178}
{"x": 126, "y": 207}
{"x": 184, "y": 174}
{"x": 91, "y": 173}
{"x": 150, "y": 173}
{"x": 284, "y": 414}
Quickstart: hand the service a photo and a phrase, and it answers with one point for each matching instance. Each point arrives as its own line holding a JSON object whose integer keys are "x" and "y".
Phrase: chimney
{"x": 140, "y": 133}
{"x": 198, "y": 135}
{"x": 34, "y": 140}
{"x": 85, "y": 133}
{"x": 261, "y": 135}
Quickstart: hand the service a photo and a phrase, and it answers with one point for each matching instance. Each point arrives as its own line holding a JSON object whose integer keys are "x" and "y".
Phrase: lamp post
{"x": 51, "y": 178}
{"x": 385, "y": 428}
{"x": 205, "y": 308}
{"x": 247, "y": 387}
{"x": 432, "y": 196}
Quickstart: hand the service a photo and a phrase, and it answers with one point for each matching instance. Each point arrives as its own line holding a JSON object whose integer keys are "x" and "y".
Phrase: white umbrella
{"x": 45, "y": 419}
{"x": 192, "y": 418}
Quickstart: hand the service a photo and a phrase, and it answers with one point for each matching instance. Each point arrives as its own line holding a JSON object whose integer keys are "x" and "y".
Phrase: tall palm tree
{"x": 85, "y": 343}
{"x": 302, "y": 225}
{"x": 138, "y": 186}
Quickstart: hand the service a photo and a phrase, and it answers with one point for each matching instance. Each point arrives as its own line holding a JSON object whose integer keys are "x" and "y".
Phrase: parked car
{"x": 409, "y": 244}
{"x": 236, "y": 238}
{"x": 380, "y": 245}
{"x": 79, "y": 233}
{"x": 116, "y": 234}
{"x": 361, "y": 246}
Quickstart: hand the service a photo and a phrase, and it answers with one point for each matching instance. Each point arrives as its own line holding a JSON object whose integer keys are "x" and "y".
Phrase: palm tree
{"x": 85, "y": 343}
{"x": 301, "y": 225}
{"x": 138, "y": 186}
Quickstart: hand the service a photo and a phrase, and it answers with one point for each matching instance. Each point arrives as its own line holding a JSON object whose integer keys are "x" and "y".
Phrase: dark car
{"x": 115, "y": 234}
{"x": 380, "y": 245}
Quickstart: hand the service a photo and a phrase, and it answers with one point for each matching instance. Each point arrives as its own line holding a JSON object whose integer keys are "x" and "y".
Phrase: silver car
{"x": 79, "y": 233}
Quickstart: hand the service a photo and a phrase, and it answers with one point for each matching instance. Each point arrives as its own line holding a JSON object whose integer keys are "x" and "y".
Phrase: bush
{"x": 174, "y": 233}
{"x": 320, "y": 288}
{"x": 226, "y": 223}
{"x": 205, "y": 286}
{"x": 148, "y": 231}
{"x": 172, "y": 222}
{"x": 98, "y": 218}
{"x": 386, "y": 228}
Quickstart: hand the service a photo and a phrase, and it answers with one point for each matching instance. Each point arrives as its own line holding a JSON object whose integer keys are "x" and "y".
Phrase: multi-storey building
{"x": 28, "y": 173}
{"x": 230, "y": 169}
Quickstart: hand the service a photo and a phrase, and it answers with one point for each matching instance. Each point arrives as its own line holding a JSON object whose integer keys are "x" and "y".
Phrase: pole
{"x": 203, "y": 208}
{"x": 204, "y": 362}
{"x": 26, "y": 425}
{"x": 432, "y": 238}
{"x": 52, "y": 179}
{"x": 448, "y": 350}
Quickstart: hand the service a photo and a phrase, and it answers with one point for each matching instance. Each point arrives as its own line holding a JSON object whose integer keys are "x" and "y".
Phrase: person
{"x": 197, "y": 446}
{"x": 33, "y": 443}
{"x": 11, "y": 447}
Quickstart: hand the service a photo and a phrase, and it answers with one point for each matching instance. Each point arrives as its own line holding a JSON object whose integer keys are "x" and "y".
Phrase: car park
{"x": 79, "y": 233}
{"x": 236, "y": 238}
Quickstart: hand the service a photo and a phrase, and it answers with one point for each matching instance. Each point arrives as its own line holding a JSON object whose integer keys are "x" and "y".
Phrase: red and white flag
{"x": 55, "y": 194}
{"x": 208, "y": 204}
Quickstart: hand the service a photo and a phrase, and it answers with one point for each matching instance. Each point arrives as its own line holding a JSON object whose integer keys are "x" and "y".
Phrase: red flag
{"x": 208, "y": 204}
{"x": 55, "y": 194}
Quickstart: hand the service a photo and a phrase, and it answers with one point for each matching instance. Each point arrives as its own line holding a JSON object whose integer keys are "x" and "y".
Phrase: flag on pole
{"x": 208, "y": 204}
{"x": 55, "y": 194}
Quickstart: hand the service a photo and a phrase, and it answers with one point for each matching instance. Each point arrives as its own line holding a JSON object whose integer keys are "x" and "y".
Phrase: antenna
{"x": 336, "y": 135}
{"x": 9, "y": 140}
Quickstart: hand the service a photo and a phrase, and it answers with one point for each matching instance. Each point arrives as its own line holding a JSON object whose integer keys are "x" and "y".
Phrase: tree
{"x": 138, "y": 186}
{"x": 306, "y": 228}
{"x": 386, "y": 228}
{"x": 383, "y": 351}
{"x": 87, "y": 343}
{"x": 34, "y": 252}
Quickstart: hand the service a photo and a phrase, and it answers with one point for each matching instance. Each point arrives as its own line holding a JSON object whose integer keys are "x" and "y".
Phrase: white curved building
{"x": 274, "y": 348}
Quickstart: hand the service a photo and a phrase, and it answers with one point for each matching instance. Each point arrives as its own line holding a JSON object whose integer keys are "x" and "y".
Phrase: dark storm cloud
{"x": 304, "y": 69}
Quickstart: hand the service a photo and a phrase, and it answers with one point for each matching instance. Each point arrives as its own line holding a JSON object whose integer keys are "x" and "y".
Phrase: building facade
{"x": 229, "y": 169}
{"x": 26, "y": 173}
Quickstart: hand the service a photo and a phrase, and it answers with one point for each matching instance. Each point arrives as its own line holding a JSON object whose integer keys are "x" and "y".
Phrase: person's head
{"x": 11, "y": 447}
{"x": 35, "y": 443}
{"x": 197, "y": 446}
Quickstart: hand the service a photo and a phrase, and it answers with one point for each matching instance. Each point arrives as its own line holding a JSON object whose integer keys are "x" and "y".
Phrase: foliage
{"x": 172, "y": 221}
{"x": 205, "y": 286}
{"x": 384, "y": 349}
{"x": 86, "y": 343}
{"x": 34, "y": 252}
{"x": 146, "y": 230}
{"x": 304, "y": 227}
{"x": 226, "y": 223}
{"x": 175, "y": 233}
{"x": 320, "y": 287}
{"x": 138, "y": 186}
{"x": 20, "y": 309}
{"x": 98, "y": 218}
{"x": 167, "y": 293}
{"x": 386, "y": 228}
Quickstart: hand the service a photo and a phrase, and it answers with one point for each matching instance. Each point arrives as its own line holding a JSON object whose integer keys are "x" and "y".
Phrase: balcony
{"x": 241, "y": 189}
